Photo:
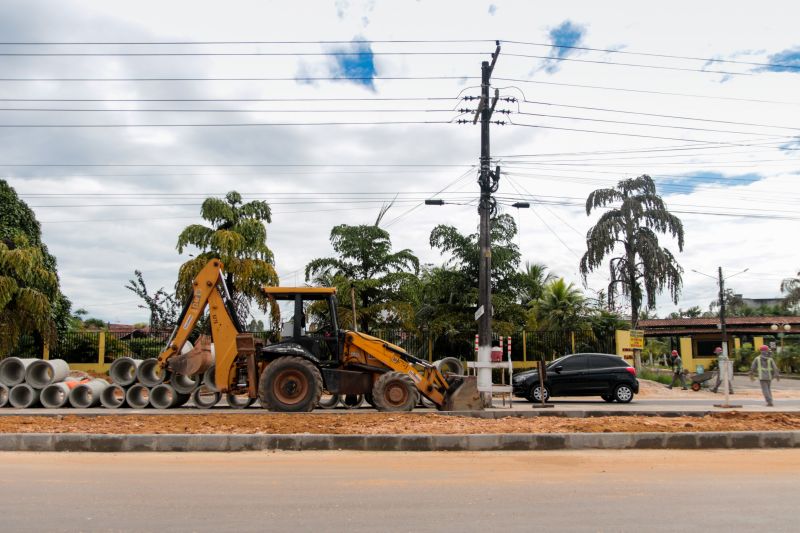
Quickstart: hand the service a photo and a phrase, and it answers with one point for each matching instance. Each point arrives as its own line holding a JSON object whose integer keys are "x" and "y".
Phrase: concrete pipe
{"x": 42, "y": 373}
{"x": 23, "y": 396}
{"x": 113, "y": 396}
{"x": 138, "y": 396}
{"x": 204, "y": 397}
{"x": 123, "y": 371}
{"x": 149, "y": 375}
{"x": 209, "y": 380}
{"x": 55, "y": 395}
{"x": 12, "y": 370}
{"x": 165, "y": 396}
{"x": 185, "y": 384}
{"x": 3, "y": 395}
{"x": 352, "y": 401}
{"x": 87, "y": 395}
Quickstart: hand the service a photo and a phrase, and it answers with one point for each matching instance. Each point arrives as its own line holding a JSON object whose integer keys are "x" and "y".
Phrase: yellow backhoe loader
{"x": 291, "y": 374}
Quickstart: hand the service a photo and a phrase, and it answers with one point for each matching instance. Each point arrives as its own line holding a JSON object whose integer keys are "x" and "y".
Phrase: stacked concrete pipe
{"x": 3, "y": 395}
{"x": 13, "y": 370}
{"x": 42, "y": 373}
{"x": 113, "y": 396}
{"x": 55, "y": 395}
{"x": 138, "y": 396}
{"x": 165, "y": 396}
{"x": 23, "y": 396}
{"x": 88, "y": 394}
{"x": 123, "y": 371}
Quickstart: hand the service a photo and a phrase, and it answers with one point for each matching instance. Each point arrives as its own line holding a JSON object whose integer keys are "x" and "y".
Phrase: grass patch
{"x": 666, "y": 379}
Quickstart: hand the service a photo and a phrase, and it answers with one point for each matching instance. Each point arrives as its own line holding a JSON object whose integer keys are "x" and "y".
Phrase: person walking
{"x": 677, "y": 370}
{"x": 723, "y": 365}
{"x": 767, "y": 369}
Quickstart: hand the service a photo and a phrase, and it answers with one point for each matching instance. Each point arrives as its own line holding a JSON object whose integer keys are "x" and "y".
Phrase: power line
{"x": 651, "y": 54}
{"x": 227, "y": 125}
{"x": 292, "y": 79}
{"x": 239, "y": 54}
{"x": 354, "y": 99}
{"x": 658, "y": 115}
{"x": 644, "y": 91}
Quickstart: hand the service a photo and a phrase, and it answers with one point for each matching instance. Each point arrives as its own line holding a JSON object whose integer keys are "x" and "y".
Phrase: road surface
{"x": 367, "y": 492}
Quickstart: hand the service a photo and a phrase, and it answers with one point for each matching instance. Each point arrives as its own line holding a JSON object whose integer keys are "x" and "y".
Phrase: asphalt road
{"x": 360, "y": 491}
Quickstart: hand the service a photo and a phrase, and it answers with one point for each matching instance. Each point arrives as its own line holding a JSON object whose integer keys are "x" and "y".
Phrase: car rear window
{"x": 604, "y": 361}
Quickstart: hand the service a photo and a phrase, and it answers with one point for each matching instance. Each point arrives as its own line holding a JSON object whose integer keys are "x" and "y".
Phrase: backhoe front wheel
{"x": 394, "y": 391}
{"x": 290, "y": 384}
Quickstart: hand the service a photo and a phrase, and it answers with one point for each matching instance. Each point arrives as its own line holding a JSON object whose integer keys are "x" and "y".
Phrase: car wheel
{"x": 607, "y": 397}
{"x": 536, "y": 394}
{"x": 623, "y": 393}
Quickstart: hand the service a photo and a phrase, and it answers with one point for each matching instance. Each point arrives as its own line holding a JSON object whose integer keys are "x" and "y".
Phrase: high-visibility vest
{"x": 770, "y": 362}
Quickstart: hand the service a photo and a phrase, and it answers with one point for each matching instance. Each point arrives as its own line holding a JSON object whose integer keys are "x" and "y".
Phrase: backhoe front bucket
{"x": 463, "y": 396}
{"x": 195, "y": 361}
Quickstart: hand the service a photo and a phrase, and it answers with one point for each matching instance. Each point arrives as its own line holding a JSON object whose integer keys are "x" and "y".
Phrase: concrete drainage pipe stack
{"x": 42, "y": 373}
{"x": 88, "y": 394}
{"x": 13, "y": 369}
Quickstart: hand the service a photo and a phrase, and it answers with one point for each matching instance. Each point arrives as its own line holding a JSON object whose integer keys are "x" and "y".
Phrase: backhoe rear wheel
{"x": 394, "y": 391}
{"x": 290, "y": 384}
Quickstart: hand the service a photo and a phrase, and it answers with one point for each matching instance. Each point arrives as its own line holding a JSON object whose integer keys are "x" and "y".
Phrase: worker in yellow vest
{"x": 767, "y": 369}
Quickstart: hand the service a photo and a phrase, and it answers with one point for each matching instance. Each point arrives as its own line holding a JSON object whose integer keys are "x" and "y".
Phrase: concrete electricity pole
{"x": 488, "y": 182}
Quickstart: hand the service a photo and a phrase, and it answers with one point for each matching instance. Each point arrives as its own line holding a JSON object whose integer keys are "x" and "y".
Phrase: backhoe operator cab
{"x": 289, "y": 375}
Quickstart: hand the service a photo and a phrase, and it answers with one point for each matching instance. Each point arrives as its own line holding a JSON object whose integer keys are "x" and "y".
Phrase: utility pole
{"x": 488, "y": 182}
{"x": 722, "y": 314}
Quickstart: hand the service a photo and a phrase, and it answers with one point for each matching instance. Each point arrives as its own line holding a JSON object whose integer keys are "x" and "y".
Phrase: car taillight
{"x": 631, "y": 370}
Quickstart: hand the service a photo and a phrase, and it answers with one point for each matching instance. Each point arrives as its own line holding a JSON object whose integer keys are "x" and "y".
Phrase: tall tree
{"x": 532, "y": 281}
{"x": 365, "y": 261}
{"x": 635, "y": 215}
{"x": 28, "y": 288}
{"x": 17, "y": 219}
{"x": 236, "y": 234}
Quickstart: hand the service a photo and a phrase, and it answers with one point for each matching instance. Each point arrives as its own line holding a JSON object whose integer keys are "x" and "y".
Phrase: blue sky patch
{"x": 492, "y": 9}
{"x": 356, "y": 64}
{"x": 562, "y": 36}
{"x": 789, "y": 58}
{"x": 687, "y": 183}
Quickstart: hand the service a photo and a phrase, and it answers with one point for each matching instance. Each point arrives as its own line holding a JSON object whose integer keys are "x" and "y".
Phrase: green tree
{"x": 16, "y": 219}
{"x": 791, "y": 288}
{"x": 635, "y": 215}
{"x": 562, "y": 307}
{"x": 532, "y": 281}
{"x": 365, "y": 261}
{"x": 238, "y": 236}
{"x": 28, "y": 289}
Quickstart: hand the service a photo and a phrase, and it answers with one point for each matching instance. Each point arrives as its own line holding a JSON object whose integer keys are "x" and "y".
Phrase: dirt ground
{"x": 387, "y": 423}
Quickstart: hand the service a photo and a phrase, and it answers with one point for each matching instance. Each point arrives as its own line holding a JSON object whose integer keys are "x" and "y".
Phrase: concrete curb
{"x": 84, "y": 442}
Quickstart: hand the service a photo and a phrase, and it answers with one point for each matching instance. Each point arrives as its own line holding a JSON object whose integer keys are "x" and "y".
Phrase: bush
{"x": 658, "y": 377}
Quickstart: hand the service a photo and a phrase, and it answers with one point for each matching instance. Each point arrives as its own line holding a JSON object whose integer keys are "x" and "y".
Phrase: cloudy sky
{"x": 327, "y": 109}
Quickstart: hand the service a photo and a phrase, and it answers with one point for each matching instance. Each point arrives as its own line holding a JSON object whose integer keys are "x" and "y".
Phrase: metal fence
{"x": 87, "y": 346}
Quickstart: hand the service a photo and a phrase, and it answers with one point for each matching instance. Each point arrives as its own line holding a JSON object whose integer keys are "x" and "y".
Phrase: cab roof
{"x": 288, "y": 293}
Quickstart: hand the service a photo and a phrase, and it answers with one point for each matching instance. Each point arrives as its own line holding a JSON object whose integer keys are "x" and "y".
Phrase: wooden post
{"x": 524, "y": 346}
{"x": 430, "y": 348}
{"x": 46, "y": 351}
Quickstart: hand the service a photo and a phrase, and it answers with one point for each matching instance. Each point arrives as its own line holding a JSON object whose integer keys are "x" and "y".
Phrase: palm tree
{"x": 238, "y": 236}
{"x": 366, "y": 263}
{"x": 28, "y": 289}
{"x": 532, "y": 281}
{"x": 644, "y": 268}
{"x": 791, "y": 286}
{"x": 562, "y": 307}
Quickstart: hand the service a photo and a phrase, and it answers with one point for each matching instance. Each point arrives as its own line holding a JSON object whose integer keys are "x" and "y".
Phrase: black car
{"x": 581, "y": 374}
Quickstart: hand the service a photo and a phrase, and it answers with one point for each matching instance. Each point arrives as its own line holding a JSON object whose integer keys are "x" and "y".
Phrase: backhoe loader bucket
{"x": 195, "y": 361}
{"x": 463, "y": 395}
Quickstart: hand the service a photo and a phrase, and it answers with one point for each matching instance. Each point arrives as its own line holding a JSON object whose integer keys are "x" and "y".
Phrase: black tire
{"x": 395, "y": 391}
{"x": 290, "y": 385}
{"x": 449, "y": 365}
{"x": 607, "y": 397}
{"x": 535, "y": 395}
{"x": 623, "y": 393}
{"x": 239, "y": 401}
